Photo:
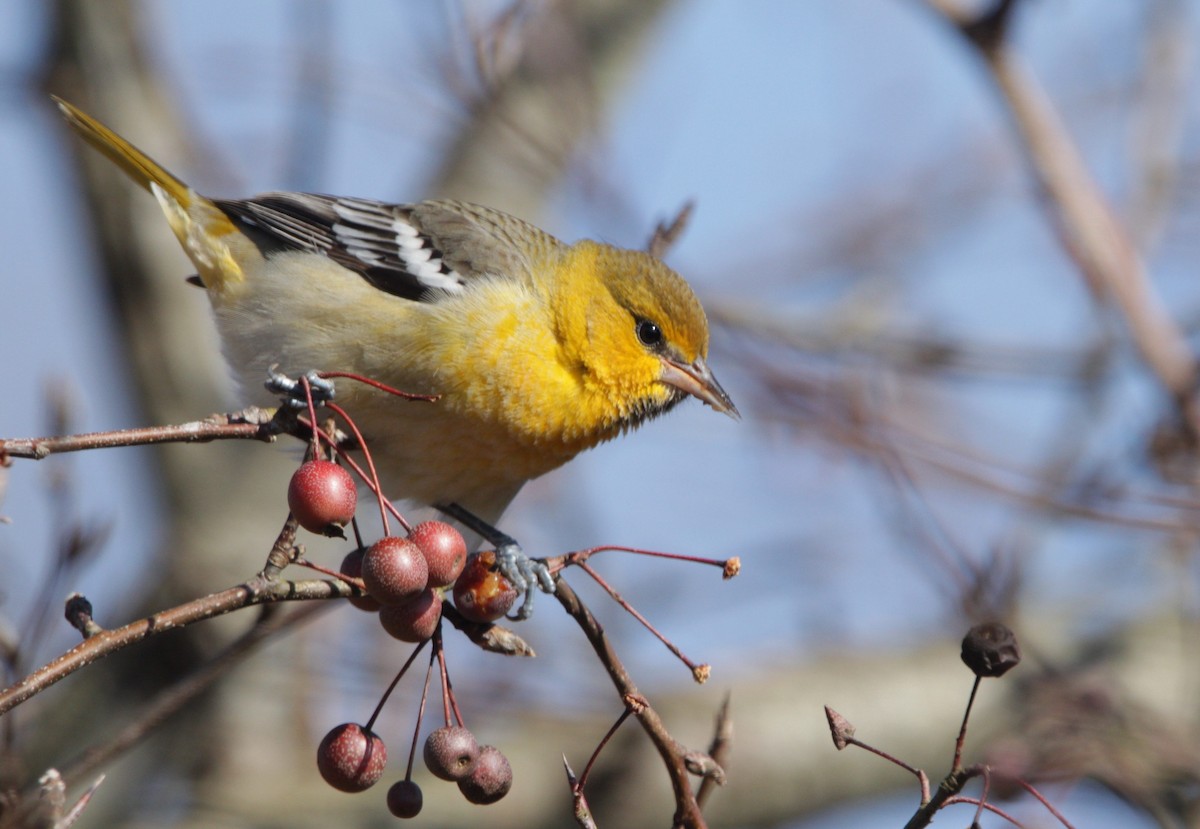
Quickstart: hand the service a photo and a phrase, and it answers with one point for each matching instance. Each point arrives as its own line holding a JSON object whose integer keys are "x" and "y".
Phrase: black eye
{"x": 649, "y": 333}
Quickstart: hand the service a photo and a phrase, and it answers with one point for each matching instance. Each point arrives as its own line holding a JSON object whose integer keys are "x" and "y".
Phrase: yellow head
{"x": 634, "y": 334}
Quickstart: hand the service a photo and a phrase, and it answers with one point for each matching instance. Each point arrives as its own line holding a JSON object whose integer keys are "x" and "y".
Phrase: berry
{"x": 322, "y": 497}
{"x": 450, "y": 752}
{"x": 444, "y": 548}
{"x": 404, "y": 799}
{"x": 490, "y": 780}
{"x": 352, "y": 567}
{"x": 481, "y": 593}
{"x": 990, "y": 649}
{"x": 416, "y": 619}
{"x": 350, "y": 758}
{"x": 394, "y": 570}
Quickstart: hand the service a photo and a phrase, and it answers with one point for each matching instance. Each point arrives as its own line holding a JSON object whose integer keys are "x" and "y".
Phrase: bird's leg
{"x": 292, "y": 391}
{"x": 524, "y": 572}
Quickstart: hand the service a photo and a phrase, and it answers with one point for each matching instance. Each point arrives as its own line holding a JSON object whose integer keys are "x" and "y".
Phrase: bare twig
{"x": 249, "y": 424}
{"x": 256, "y": 591}
{"x": 687, "y": 810}
{"x": 666, "y": 234}
{"x": 719, "y": 749}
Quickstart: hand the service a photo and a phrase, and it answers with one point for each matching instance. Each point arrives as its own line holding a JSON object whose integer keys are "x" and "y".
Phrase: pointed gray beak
{"x": 697, "y": 380}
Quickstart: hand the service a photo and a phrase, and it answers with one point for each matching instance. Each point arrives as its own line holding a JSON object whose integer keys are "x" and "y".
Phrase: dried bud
{"x": 840, "y": 728}
{"x": 990, "y": 649}
{"x": 732, "y": 567}
{"x": 703, "y": 765}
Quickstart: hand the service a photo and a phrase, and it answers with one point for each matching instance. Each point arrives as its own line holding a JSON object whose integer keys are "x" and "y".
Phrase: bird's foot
{"x": 524, "y": 573}
{"x": 292, "y": 391}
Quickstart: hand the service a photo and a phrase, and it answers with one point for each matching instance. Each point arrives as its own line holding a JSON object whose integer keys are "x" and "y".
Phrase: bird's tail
{"x": 203, "y": 229}
{"x": 137, "y": 165}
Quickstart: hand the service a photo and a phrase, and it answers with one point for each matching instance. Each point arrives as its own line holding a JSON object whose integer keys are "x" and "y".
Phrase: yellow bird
{"x": 537, "y": 349}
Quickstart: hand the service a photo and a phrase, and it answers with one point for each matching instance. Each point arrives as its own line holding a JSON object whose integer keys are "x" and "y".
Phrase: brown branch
{"x": 175, "y": 698}
{"x": 719, "y": 749}
{"x": 249, "y": 424}
{"x": 256, "y": 591}
{"x": 948, "y": 788}
{"x": 687, "y": 810}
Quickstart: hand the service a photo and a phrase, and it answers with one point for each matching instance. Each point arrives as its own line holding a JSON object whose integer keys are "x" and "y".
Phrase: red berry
{"x": 322, "y": 497}
{"x": 352, "y": 567}
{"x": 350, "y": 758}
{"x": 489, "y": 780}
{"x": 450, "y": 752}
{"x": 404, "y": 799}
{"x": 445, "y": 550}
{"x": 481, "y": 593}
{"x": 394, "y": 570}
{"x": 414, "y": 620}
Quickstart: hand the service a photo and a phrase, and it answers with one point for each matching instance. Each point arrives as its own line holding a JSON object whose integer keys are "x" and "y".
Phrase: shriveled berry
{"x": 404, "y": 799}
{"x": 350, "y": 758}
{"x": 416, "y": 619}
{"x": 489, "y": 780}
{"x": 352, "y": 567}
{"x": 450, "y": 752}
{"x": 394, "y": 570}
{"x": 445, "y": 550}
{"x": 990, "y": 649}
{"x": 481, "y": 593}
{"x": 322, "y": 497}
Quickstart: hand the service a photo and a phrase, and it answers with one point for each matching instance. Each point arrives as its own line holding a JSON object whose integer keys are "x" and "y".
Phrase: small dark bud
{"x": 78, "y": 613}
{"x": 990, "y": 649}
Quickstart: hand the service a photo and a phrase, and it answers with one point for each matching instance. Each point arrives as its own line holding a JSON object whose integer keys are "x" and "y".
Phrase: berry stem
{"x": 362, "y": 444}
{"x": 1041, "y": 799}
{"x": 962, "y": 732}
{"x": 412, "y": 751}
{"x": 579, "y": 784}
{"x": 353, "y": 581}
{"x": 392, "y": 686}
{"x": 315, "y": 444}
{"x": 407, "y": 395}
{"x": 366, "y": 479}
{"x": 730, "y": 566}
{"x": 698, "y": 671}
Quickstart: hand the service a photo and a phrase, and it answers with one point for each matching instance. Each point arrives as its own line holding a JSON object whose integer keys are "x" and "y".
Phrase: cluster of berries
{"x": 351, "y": 758}
{"x": 405, "y": 579}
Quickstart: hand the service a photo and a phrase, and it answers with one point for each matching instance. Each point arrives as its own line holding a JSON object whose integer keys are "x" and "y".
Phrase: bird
{"x": 536, "y": 349}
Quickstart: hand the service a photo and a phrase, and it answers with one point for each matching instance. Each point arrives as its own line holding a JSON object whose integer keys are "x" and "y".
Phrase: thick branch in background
{"x": 213, "y": 494}
{"x": 543, "y": 78}
{"x": 1088, "y": 226}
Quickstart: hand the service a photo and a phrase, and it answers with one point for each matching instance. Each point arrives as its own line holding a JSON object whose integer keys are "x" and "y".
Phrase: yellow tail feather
{"x": 201, "y": 227}
{"x": 136, "y": 164}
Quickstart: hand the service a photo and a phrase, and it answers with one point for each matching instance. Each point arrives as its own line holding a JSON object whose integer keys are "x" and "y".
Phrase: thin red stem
{"x": 962, "y": 732}
{"x": 362, "y": 444}
{"x": 412, "y": 752}
{"x": 1049, "y": 807}
{"x": 327, "y": 375}
{"x": 693, "y": 667}
{"x": 312, "y": 415}
{"x": 582, "y": 781}
{"x": 395, "y": 680}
